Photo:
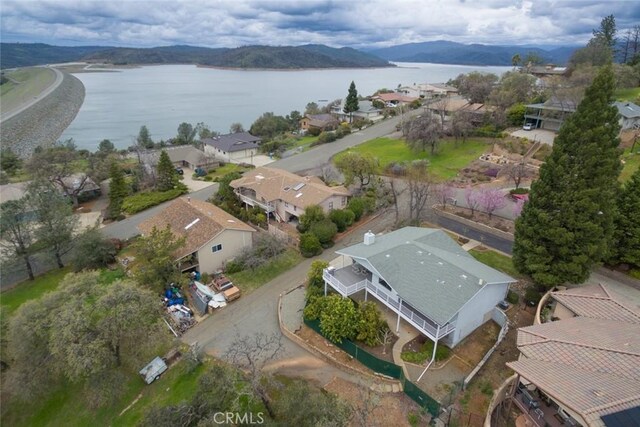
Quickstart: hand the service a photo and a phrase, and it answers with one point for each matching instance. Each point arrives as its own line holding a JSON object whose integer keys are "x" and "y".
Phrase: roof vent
{"x": 440, "y": 262}
{"x": 369, "y": 238}
{"x": 419, "y": 252}
{"x": 464, "y": 276}
{"x": 287, "y": 188}
{"x": 388, "y": 255}
{"x": 480, "y": 282}
{"x": 192, "y": 223}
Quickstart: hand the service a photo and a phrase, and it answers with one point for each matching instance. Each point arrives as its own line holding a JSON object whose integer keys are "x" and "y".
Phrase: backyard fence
{"x": 501, "y": 319}
{"x": 385, "y": 368}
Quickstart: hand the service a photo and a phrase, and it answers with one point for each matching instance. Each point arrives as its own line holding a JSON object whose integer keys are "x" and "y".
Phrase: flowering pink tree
{"x": 517, "y": 208}
{"x": 443, "y": 193}
{"x": 491, "y": 199}
{"x": 472, "y": 198}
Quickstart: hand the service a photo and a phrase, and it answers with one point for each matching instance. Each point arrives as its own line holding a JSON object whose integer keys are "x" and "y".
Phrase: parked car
{"x": 153, "y": 370}
{"x": 528, "y": 126}
{"x": 179, "y": 171}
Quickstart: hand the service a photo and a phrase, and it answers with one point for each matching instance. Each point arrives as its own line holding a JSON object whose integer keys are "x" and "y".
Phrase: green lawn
{"x": 248, "y": 280}
{"x": 13, "y": 298}
{"x": 305, "y": 141}
{"x": 226, "y": 169}
{"x": 66, "y": 405}
{"x": 31, "y": 82}
{"x": 496, "y": 260}
{"x": 630, "y": 94}
{"x": 631, "y": 164}
{"x": 445, "y": 164}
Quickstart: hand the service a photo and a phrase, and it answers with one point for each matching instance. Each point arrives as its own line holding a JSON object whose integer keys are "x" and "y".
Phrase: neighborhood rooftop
{"x": 196, "y": 220}
{"x": 425, "y": 266}
{"x": 277, "y": 184}
{"x": 590, "y": 365}
{"x": 598, "y": 302}
{"x": 233, "y": 141}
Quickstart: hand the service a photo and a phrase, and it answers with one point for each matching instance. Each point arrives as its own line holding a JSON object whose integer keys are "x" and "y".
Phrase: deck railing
{"x": 390, "y": 300}
{"x": 253, "y": 202}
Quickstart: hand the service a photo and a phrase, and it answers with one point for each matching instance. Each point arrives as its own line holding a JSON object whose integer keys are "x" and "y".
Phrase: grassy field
{"x": 13, "y": 298}
{"x": 630, "y": 94}
{"x": 226, "y": 169}
{"x": 30, "y": 83}
{"x": 631, "y": 164}
{"x": 305, "y": 142}
{"x": 66, "y": 406}
{"x": 445, "y": 164}
{"x": 249, "y": 280}
{"x": 496, "y": 260}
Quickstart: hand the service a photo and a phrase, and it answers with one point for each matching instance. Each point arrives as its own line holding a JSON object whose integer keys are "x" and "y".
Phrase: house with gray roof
{"x": 426, "y": 278}
{"x": 238, "y": 147}
{"x": 629, "y": 114}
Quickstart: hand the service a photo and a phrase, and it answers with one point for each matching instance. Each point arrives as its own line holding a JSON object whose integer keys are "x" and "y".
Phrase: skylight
{"x": 298, "y": 186}
{"x": 298, "y": 195}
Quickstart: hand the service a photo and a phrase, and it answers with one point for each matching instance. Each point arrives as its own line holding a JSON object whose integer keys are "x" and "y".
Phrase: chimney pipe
{"x": 369, "y": 238}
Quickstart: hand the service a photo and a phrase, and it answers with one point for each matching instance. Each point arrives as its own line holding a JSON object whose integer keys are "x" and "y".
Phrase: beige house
{"x": 212, "y": 235}
{"x": 584, "y": 369}
{"x": 285, "y": 195}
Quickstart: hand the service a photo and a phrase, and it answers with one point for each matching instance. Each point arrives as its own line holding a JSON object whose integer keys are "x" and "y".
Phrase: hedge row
{"x": 141, "y": 201}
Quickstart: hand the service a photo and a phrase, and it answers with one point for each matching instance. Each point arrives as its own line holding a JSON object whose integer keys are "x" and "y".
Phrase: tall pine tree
{"x": 117, "y": 190}
{"x": 566, "y": 228}
{"x": 351, "y": 103}
{"x": 628, "y": 222}
{"x": 167, "y": 176}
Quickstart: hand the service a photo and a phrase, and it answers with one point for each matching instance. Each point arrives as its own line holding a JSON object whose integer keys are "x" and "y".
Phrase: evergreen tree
{"x": 167, "y": 177}
{"x": 117, "y": 190}
{"x": 567, "y": 225}
{"x": 351, "y": 103}
{"x": 628, "y": 222}
{"x": 144, "y": 138}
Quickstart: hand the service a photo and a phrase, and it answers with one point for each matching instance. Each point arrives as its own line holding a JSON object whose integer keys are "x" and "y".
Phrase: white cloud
{"x": 352, "y": 23}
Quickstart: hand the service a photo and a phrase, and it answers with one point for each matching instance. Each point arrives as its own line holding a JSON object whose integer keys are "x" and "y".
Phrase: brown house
{"x": 319, "y": 121}
{"x": 285, "y": 195}
{"x": 212, "y": 235}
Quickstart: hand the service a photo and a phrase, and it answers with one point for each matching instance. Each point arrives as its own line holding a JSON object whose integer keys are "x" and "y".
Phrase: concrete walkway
{"x": 470, "y": 245}
{"x": 405, "y": 334}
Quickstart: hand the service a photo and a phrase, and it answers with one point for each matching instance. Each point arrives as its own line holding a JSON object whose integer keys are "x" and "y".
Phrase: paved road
{"x": 487, "y": 239}
{"x": 42, "y": 95}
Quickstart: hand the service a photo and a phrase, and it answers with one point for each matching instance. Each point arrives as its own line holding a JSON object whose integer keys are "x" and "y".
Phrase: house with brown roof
{"x": 393, "y": 99}
{"x": 285, "y": 195}
{"x": 212, "y": 235}
{"x": 582, "y": 370}
{"x": 319, "y": 121}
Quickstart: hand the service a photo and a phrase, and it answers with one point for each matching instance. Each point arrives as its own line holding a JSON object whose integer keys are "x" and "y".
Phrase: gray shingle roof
{"x": 627, "y": 109}
{"x": 234, "y": 141}
{"x": 427, "y": 269}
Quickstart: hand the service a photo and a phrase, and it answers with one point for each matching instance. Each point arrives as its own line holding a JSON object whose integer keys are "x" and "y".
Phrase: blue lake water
{"x": 161, "y": 97}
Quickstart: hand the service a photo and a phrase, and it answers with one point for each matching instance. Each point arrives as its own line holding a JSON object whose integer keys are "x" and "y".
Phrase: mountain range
{"x": 279, "y": 57}
{"x": 446, "y": 52}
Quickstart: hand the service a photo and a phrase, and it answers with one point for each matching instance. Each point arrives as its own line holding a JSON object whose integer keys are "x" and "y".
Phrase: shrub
{"x": 513, "y": 297}
{"x": 208, "y": 178}
{"x": 425, "y": 353}
{"x": 315, "y": 307}
{"x": 312, "y": 214}
{"x": 370, "y": 323}
{"x": 326, "y": 137}
{"x": 314, "y": 131}
{"x": 310, "y": 245}
{"x": 532, "y": 296}
{"x": 339, "y": 318}
{"x": 92, "y": 251}
{"x": 519, "y": 190}
{"x": 357, "y": 206}
{"x": 141, "y": 201}
{"x": 324, "y": 230}
{"x": 342, "y": 218}
{"x": 233, "y": 267}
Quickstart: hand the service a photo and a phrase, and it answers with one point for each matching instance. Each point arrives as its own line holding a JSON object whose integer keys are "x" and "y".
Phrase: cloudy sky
{"x": 355, "y": 23}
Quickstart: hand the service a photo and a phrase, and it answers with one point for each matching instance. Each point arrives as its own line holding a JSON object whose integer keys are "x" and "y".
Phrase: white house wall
{"x": 474, "y": 312}
{"x": 232, "y": 241}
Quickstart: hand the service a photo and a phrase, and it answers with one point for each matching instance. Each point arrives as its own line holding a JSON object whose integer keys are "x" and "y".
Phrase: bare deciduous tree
{"x": 419, "y": 182}
{"x": 517, "y": 172}
{"x": 472, "y": 199}
{"x": 423, "y": 132}
{"x": 443, "y": 193}
{"x": 252, "y": 353}
{"x": 385, "y": 336}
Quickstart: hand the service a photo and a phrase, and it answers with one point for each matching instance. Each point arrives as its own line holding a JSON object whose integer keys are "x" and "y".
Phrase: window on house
{"x": 216, "y": 248}
{"x": 344, "y": 201}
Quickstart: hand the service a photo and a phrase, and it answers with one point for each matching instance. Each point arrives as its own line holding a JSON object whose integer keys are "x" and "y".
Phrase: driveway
{"x": 193, "y": 184}
{"x": 257, "y": 312}
{"x": 542, "y": 135}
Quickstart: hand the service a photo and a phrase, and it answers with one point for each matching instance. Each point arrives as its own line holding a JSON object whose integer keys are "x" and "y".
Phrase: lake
{"x": 161, "y": 97}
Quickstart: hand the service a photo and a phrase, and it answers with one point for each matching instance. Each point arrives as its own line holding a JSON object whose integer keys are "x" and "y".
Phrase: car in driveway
{"x": 527, "y": 126}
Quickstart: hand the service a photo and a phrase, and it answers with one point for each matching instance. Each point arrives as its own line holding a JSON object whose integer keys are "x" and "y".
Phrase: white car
{"x": 527, "y": 126}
